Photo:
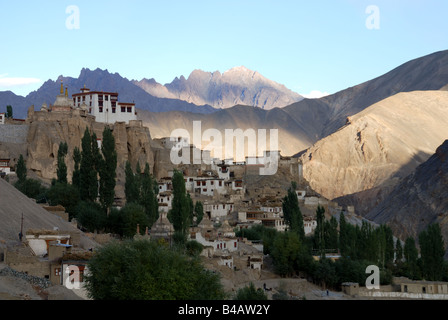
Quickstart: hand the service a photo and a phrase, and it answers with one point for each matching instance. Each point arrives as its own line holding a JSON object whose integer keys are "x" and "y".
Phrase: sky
{"x": 312, "y": 47}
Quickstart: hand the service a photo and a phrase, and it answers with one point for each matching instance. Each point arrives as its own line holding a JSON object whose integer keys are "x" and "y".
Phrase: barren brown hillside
{"x": 389, "y": 139}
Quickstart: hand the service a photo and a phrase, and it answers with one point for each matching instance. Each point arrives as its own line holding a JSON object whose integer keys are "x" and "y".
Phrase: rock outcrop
{"x": 48, "y": 130}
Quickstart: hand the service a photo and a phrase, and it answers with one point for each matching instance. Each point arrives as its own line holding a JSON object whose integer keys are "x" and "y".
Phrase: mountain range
{"x": 303, "y": 123}
{"x": 237, "y": 86}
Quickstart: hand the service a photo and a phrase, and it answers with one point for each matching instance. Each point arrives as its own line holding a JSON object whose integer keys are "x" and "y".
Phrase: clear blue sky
{"x": 321, "y": 45}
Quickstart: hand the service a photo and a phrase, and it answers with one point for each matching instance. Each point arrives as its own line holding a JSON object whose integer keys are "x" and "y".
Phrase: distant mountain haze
{"x": 237, "y": 86}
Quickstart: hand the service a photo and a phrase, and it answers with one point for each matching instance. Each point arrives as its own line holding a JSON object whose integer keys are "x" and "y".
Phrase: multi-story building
{"x": 104, "y": 106}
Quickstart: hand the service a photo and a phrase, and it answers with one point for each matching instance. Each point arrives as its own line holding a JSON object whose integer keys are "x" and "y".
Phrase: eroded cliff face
{"x": 386, "y": 141}
{"x": 48, "y": 130}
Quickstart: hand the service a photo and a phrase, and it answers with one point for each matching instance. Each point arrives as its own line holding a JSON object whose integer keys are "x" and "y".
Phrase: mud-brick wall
{"x": 12, "y": 133}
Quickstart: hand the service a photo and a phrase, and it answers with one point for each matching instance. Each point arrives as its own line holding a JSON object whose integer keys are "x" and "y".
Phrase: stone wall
{"x": 12, "y": 133}
{"x": 27, "y": 264}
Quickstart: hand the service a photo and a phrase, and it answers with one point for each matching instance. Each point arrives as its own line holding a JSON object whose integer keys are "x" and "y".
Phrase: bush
{"x": 193, "y": 248}
{"x": 31, "y": 188}
{"x": 250, "y": 293}
{"x": 91, "y": 216}
{"x": 65, "y": 195}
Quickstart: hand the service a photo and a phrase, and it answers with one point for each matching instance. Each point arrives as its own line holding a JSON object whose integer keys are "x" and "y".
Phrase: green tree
{"x": 319, "y": 232}
{"x": 343, "y": 235}
{"x": 76, "y": 175}
{"x": 148, "y": 196}
{"x": 32, "y": 189}
{"x": 91, "y": 216}
{"x": 291, "y": 211}
{"x": 133, "y": 214}
{"x": 9, "y": 113}
{"x": 115, "y": 222}
{"x": 87, "y": 172}
{"x": 285, "y": 253}
{"x": 107, "y": 170}
{"x": 198, "y": 212}
{"x": 432, "y": 251}
{"x": 131, "y": 188}
{"x": 249, "y": 292}
{"x": 145, "y": 270}
{"x": 29, "y": 187}
{"x": 21, "y": 169}
{"x": 61, "y": 166}
{"x": 65, "y": 195}
{"x": 325, "y": 273}
{"x": 398, "y": 251}
{"x": 411, "y": 255}
{"x": 180, "y": 213}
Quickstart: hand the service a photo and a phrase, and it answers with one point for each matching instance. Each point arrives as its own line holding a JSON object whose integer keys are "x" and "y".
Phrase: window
{"x": 100, "y": 103}
{"x": 106, "y": 97}
{"x": 101, "y": 109}
{"x": 129, "y": 109}
{"x": 114, "y": 110}
{"x": 123, "y": 109}
{"x": 57, "y": 271}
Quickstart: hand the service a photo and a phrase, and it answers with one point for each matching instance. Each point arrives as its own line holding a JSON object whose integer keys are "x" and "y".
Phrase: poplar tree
{"x": 61, "y": 166}
{"x": 87, "y": 172}
{"x": 107, "y": 170}
{"x": 343, "y": 235}
{"x": 411, "y": 255}
{"x": 319, "y": 232}
{"x": 291, "y": 211}
{"x": 76, "y": 173}
{"x": 131, "y": 189}
{"x": 9, "y": 113}
{"x": 21, "y": 169}
{"x": 148, "y": 196}
{"x": 198, "y": 211}
{"x": 432, "y": 251}
{"x": 179, "y": 215}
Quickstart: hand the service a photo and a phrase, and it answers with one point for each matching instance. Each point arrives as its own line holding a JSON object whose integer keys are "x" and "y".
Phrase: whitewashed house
{"x": 217, "y": 210}
{"x": 309, "y": 224}
{"x": 165, "y": 200}
{"x": 104, "y": 106}
{"x": 207, "y": 186}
